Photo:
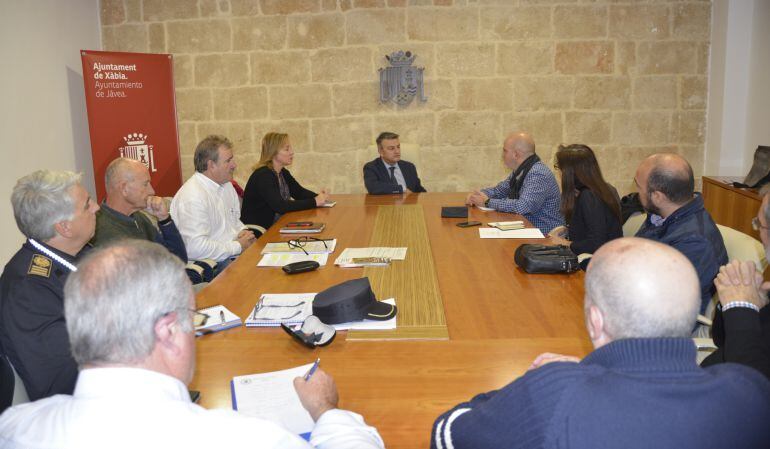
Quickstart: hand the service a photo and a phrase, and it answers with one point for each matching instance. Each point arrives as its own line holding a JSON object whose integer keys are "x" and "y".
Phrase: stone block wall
{"x": 628, "y": 78}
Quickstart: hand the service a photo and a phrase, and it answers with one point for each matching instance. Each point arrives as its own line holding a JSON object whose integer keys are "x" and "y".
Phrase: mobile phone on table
{"x": 468, "y": 224}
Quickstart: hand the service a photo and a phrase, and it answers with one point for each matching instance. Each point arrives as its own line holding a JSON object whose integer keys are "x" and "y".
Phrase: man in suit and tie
{"x": 388, "y": 173}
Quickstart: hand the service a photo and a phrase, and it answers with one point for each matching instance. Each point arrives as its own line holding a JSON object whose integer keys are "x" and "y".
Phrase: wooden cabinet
{"x": 731, "y": 206}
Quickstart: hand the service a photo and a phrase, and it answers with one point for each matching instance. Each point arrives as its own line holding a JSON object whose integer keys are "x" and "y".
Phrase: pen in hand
{"x": 312, "y": 370}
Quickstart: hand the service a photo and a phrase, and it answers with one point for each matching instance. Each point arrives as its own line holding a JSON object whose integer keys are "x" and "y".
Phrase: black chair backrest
{"x": 7, "y": 384}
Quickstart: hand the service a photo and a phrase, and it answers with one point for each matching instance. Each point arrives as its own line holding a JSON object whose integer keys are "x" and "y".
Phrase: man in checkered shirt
{"x": 530, "y": 190}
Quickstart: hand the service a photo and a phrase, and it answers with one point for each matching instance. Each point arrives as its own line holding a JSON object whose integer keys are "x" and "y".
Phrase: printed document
{"x": 272, "y": 396}
{"x": 355, "y": 253}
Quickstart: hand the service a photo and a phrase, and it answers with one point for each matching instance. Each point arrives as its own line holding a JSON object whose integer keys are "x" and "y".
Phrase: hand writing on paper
{"x": 318, "y": 394}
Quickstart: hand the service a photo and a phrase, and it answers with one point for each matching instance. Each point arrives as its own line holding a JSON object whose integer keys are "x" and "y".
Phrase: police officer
{"x": 57, "y": 215}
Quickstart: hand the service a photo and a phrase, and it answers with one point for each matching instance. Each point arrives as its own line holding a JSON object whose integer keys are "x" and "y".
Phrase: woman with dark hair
{"x": 590, "y": 206}
{"x": 271, "y": 190}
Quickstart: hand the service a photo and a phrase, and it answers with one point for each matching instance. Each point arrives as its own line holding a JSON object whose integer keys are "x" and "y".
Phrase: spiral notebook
{"x": 219, "y": 319}
{"x": 272, "y": 309}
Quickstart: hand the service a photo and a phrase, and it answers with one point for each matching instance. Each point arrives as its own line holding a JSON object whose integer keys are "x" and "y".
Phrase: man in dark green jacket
{"x": 129, "y": 192}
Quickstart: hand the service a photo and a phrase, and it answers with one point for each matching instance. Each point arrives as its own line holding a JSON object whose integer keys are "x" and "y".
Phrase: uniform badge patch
{"x": 40, "y": 266}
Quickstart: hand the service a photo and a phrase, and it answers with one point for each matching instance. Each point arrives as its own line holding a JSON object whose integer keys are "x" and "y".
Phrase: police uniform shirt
{"x": 33, "y": 334}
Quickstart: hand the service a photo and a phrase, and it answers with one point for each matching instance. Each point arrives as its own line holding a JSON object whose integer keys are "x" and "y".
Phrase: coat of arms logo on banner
{"x": 136, "y": 148}
{"x": 401, "y": 82}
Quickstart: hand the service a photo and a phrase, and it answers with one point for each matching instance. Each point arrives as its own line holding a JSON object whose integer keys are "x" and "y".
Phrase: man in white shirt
{"x": 206, "y": 209}
{"x": 129, "y": 314}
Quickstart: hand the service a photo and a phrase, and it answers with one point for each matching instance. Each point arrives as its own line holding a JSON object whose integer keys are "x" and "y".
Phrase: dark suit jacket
{"x": 742, "y": 336}
{"x": 377, "y": 178}
{"x": 262, "y": 197}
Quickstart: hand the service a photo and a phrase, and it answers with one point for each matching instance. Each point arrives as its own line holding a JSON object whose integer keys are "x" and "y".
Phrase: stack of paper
{"x": 272, "y": 309}
{"x": 309, "y": 228}
{"x": 281, "y": 259}
{"x": 272, "y": 396}
{"x": 507, "y": 225}
{"x": 526, "y": 233}
{"x": 309, "y": 247}
{"x": 346, "y": 258}
{"x": 219, "y": 319}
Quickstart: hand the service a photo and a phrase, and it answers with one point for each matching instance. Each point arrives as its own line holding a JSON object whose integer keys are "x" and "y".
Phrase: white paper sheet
{"x": 485, "y": 209}
{"x": 329, "y": 204}
{"x": 272, "y": 396}
{"x": 526, "y": 233}
{"x": 350, "y": 253}
{"x": 279, "y": 260}
{"x": 311, "y": 247}
{"x": 370, "y": 324}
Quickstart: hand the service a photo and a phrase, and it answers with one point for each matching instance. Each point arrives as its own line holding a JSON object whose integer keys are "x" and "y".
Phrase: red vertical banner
{"x": 132, "y": 113}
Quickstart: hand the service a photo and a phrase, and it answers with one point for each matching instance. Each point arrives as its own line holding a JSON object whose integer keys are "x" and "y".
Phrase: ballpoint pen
{"x": 312, "y": 369}
{"x": 222, "y": 316}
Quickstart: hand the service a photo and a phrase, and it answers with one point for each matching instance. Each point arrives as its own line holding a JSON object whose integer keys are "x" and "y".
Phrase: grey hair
{"x": 387, "y": 135}
{"x": 111, "y": 304}
{"x": 114, "y": 169}
{"x": 41, "y": 199}
{"x": 613, "y": 285}
{"x": 208, "y": 150}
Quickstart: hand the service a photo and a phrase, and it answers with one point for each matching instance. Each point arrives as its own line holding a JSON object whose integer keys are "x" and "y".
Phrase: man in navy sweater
{"x": 639, "y": 388}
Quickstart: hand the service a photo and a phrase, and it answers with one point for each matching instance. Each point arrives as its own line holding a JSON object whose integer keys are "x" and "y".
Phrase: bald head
{"x": 127, "y": 183}
{"x": 669, "y": 174}
{"x": 122, "y": 170}
{"x": 517, "y": 147}
{"x": 643, "y": 289}
{"x": 521, "y": 142}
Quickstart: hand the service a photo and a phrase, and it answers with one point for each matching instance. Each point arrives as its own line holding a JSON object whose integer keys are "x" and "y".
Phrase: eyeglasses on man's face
{"x": 198, "y": 318}
{"x": 757, "y": 225}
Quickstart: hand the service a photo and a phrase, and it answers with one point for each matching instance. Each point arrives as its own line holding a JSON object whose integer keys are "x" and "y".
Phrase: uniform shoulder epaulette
{"x": 40, "y": 266}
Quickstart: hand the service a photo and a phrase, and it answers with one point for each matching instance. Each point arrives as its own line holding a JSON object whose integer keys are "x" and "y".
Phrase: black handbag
{"x": 546, "y": 259}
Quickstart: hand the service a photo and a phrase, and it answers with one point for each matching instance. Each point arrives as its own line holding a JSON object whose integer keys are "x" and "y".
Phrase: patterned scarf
{"x": 282, "y": 186}
{"x": 517, "y": 180}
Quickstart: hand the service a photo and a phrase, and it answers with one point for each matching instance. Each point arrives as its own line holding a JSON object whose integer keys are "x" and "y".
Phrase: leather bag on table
{"x": 534, "y": 258}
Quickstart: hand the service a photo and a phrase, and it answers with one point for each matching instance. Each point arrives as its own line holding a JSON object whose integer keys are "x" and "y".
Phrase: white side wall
{"x": 739, "y": 73}
{"x": 758, "y": 111}
{"x": 43, "y": 115}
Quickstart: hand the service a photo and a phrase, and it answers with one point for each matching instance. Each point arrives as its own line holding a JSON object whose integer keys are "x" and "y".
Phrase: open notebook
{"x": 272, "y": 309}
{"x": 219, "y": 319}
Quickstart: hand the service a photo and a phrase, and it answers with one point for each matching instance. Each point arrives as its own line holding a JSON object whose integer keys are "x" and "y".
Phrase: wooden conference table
{"x": 498, "y": 320}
